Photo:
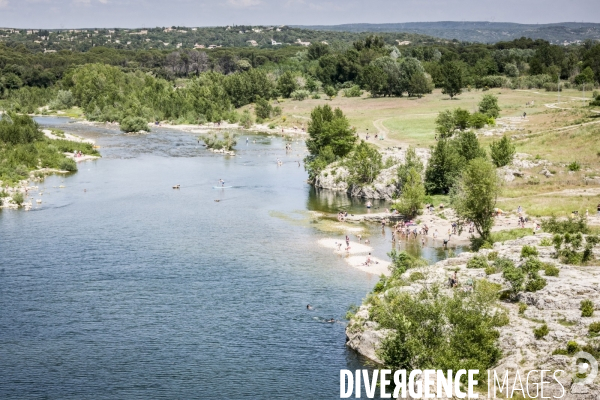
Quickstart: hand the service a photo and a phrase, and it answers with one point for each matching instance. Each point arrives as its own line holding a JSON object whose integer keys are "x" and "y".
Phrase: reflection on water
{"x": 330, "y": 201}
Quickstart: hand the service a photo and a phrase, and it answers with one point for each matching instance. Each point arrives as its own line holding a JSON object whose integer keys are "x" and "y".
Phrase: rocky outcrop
{"x": 335, "y": 177}
{"x": 384, "y": 187}
{"x": 557, "y": 305}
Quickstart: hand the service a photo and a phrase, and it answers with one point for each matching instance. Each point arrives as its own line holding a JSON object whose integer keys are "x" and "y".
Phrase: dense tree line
{"x": 196, "y": 85}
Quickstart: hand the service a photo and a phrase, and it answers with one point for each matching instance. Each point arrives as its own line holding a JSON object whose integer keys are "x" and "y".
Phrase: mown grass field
{"x": 553, "y": 134}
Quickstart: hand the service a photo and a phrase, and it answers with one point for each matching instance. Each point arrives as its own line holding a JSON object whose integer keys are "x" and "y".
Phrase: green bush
{"x": 502, "y": 151}
{"x": 18, "y": 198}
{"x": 551, "y": 270}
{"x": 354, "y": 91}
{"x": 492, "y": 255}
{"x": 246, "y": 119}
{"x": 300, "y": 94}
{"x": 532, "y": 265}
{"x": 431, "y": 328}
{"x": 416, "y": 276}
{"x": 574, "y": 166}
{"x": 515, "y": 278}
{"x": 380, "y": 285}
{"x": 477, "y": 262}
{"x": 503, "y": 263}
{"x": 134, "y": 124}
{"x": 501, "y": 319}
{"x": 64, "y": 100}
{"x": 478, "y": 120}
{"x": 587, "y": 308}
{"x": 522, "y": 308}
{"x": 572, "y": 347}
{"x": 262, "y": 108}
{"x": 541, "y": 332}
{"x": 535, "y": 283}
{"x": 546, "y": 242}
{"x": 528, "y": 251}
{"x": 490, "y": 270}
{"x": 569, "y": 225}
{"x": 402, "y": 261}
{"x": 68, "y": 164}
{"x": 594, "y": 328}
{"x": 363, "y": 164}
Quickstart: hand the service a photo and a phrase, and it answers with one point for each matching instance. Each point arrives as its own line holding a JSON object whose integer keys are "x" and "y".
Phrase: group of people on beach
{"x": 342, "y": 215}
{"x": 77, "y": 154}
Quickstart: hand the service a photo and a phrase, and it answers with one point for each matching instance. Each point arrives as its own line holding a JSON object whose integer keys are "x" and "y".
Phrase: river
{"x": 118, "y": 286}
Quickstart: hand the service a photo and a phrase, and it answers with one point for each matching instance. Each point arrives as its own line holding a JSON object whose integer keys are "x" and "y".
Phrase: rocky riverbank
{"x": 557, "y": 305}
{"x": 384, "y": 187}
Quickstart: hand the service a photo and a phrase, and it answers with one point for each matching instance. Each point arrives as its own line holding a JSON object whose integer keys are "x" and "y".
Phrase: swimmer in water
{"x": 309, "y": 307}
{"x": 330, "y": 320}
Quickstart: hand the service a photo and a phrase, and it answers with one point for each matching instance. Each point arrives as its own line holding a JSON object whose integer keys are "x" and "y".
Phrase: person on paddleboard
{"x": 222, "y": 182}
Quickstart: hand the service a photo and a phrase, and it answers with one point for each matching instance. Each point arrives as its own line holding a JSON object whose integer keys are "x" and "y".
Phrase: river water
{"x": 118, "y": 286}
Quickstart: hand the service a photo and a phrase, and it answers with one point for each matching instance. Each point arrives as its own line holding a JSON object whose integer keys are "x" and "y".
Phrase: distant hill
{"x": 484, "y": 32}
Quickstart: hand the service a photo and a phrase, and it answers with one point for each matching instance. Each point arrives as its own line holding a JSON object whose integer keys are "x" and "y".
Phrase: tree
{"x": 330, "y": 137}
{"x": 411, "y": 161}
{"x": 373, "y": 79}
{"x": 262, "y": 108}
{"x": 286, "y": 84}
{"x": 311, "y": 84}
{"x": 413, "y": 194}
{"x": 502, "y": 151}
{"x": 461, "y": 118}
{"x": 134, "y": 124}
{"x": 419, "y": 85}
{"x": 445, "y": 124}
{"x": 478, "y": 120}
{"x": 443, "y": 167}
{"x": 330, "y": 91}
{"x": 453, "y": 78}
{"x": 475, "y": 194}
{"x": 364, "y": 164}
{"x": 468, "y": 146}
{"x": 393, "y": 79}
{"x": 409, "y": 67}
{"x": 489, "y": 106}
{"x": 586, "y": 76}
{"x": 317, "y": 50}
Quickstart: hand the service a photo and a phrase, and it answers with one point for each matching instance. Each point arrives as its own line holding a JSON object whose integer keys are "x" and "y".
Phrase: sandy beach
{"x": 356, "y": 256}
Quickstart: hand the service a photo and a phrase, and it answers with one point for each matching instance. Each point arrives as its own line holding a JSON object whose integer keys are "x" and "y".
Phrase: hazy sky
{"x": 150, "y": 13}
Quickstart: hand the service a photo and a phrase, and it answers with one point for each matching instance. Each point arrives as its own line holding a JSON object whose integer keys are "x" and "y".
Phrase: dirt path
{"x": 381, "y": 129}
{"x": 567, "y": 192}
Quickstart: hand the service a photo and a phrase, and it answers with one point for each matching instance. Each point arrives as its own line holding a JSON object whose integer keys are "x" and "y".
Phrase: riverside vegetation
{"x": 24, "y": 150}
{"x": 516, "y": 304}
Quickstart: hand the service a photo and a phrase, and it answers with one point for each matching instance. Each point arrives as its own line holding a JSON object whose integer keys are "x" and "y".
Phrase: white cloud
{"x": 81, "y": 1}
{"x": 103, "y": 1}
{"x": 3, "y": 3}
{"x": 244, "y": 3}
